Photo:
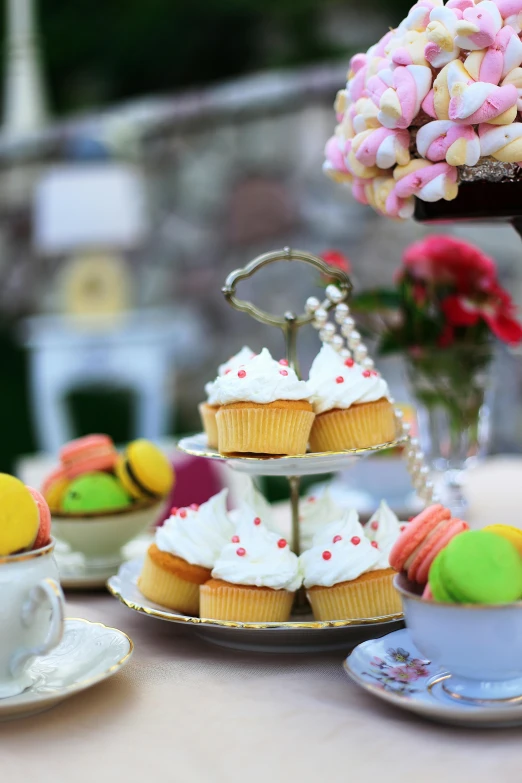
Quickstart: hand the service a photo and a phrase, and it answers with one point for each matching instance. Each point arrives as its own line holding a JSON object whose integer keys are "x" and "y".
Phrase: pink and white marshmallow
{"x": 502, "y": 142}
{"x": 440, "y": 140}
{"x": 479, "y": 26}
{"x": 363, "y": 114}
{"x": 440, "y": 35}
{"x": 382, "y": 147}
{"x": 514, "y": 77}
{"x": 494, "y": 63}
{"x": 511, "y": 13}
{"x": 425, "y": 180}
{"x": 457, "y": 97}
{"x": 409, "y": 49}
{"x": 399, "y": 93}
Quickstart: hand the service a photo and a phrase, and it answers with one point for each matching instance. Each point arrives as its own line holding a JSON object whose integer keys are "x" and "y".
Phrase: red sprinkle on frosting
{"x": 337, "y": 538}
{"x": 374, "y": 526}
{"x": 366, "y": 373}
{"x": 235, "y": 539}
{"x": 349, "y": 362}
{"x": 194, "y": 506}
{"x": 284, "y": 362}
{"x": 339, "y": 379}
{"x": 355, "y": 540}
{"x": 241, "y": 374}
{"x": 183, "y": 513}
{"x": 257, "y": 520}
{"x": 374, "y": 544}
{"x": 227, "y": 371}
{"x": 281, "y": 543}
{"x": 283, "y": 372}
{"x": 240, "y": 551}
{"x": 173, "y": 511}
{"x": 327, "y": 555}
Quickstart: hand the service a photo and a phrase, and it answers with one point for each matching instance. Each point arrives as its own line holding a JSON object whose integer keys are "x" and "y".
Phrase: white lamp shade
{"x": 89, "y": 206}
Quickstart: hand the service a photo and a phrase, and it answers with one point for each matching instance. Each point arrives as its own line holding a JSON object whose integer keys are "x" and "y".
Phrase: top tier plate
{"x": 303, "y": 465}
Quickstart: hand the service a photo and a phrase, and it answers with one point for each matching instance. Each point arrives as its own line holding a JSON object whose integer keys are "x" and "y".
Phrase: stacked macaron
{"x": 93, "y": 477}
{"x": 25, "y": 519}
{"x": 457, "y": 565}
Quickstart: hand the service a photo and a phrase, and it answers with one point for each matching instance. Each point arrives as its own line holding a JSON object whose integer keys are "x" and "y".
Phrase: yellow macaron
{"x": 512, "y": 534}
{"x": 19, "y": 517}
{"x": 144, "y": 471}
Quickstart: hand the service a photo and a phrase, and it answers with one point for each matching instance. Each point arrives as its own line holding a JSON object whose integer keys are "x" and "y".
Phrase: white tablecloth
{"x": 184, "y": 711}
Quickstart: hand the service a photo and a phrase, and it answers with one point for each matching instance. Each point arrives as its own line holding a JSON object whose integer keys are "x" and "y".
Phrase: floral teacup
{"x": 479, "y": 645}
{"x": 31, "y": 615}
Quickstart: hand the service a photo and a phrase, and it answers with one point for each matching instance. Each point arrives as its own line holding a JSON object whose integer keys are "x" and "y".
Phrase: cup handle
{"x": 46, "y": 591}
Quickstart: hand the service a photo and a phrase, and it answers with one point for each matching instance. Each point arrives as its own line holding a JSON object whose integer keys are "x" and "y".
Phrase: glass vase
{"x": 452, "y": 391}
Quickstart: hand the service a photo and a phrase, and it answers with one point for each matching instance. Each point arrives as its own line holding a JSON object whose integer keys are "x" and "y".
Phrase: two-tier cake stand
{"x": 301, "y": 633}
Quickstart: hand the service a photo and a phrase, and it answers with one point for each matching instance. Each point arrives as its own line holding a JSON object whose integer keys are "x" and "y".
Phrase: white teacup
{"x": 32, "y": 609}
{"x": 480, "y": 645}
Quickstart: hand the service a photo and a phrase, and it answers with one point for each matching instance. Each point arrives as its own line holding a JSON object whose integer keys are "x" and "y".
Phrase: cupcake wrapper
{"x": 263, "y": 430}
{"x": 357, "y": 599}
{"x": 234, "y": 603}
{"x": 358, "y": 427}
{"x": 208, "y": 419}
{"x": 168, "y": 589}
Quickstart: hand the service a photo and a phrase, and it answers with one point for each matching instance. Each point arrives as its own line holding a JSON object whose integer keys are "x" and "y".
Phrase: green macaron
{"x": 94, "y": 492}
{"x": 477, "y": 567}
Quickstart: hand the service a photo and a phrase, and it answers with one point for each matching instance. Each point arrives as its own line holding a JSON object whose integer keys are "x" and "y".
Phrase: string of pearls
{"x": 349, "y": 345}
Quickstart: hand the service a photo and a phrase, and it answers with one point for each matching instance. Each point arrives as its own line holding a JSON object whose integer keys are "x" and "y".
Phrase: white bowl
{"x": 100, "y": 537}
{"x": 479, "y": 645}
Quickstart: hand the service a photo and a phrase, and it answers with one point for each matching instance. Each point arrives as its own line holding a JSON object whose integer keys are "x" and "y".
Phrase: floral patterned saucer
{"x": 392, "y": 669}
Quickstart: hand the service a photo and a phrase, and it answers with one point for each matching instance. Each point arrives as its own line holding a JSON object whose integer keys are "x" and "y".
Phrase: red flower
{"x": 446, "y": 337}
{"x": 337, "y": 259}
{"x": 444, "y": 259}
{"x": 494, "y": 306}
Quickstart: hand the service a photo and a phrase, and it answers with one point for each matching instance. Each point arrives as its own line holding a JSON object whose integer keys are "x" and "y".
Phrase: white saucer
{"x": 300, "y": 634}
{"x": 392, "y": 669}
{"x": 87, "y": 654}
{"x": 78, "y": 573}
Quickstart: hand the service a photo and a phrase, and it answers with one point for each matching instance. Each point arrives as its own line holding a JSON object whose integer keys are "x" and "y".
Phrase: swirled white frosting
{"x": 258, "y": 558}
{"x": 335, "y": 384}
{"x": 314, "y": 514}
{"x": 239, "y": 359}
{"x": 251, "y": 499}
{"x": 330, "y": 562}
{"x": 198, "y": 536}
{"x": 346, "y": 525}
{"x": 383, "y": 527}
{"x": 262, "y": 380}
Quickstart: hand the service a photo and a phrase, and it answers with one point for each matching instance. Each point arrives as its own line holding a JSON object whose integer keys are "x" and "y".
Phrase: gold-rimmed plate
{"x": 88, "y": 654}
{"x": 302, "y": 465}
{"x": 301, "y": 634}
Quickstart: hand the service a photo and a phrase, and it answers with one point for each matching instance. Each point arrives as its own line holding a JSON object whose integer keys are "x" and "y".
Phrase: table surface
{"x": 184, "y": 710}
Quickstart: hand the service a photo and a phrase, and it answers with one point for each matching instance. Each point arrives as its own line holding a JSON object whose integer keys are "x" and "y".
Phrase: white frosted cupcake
{"x": 346, "y": 575}
{"x": 314, "y": 514}
{"x": 254, "y": 578}
{"x": 352, "y": 404}
{"x": 384, "y": 528}
{"x": 250, "y": 499}
{"x": 208, "y": 409}
{"x": 183, "y": 554}
{"x": 264, "y": 409}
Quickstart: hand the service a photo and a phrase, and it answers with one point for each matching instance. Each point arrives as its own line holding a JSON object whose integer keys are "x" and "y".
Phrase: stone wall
{"x": 231, "y": 172}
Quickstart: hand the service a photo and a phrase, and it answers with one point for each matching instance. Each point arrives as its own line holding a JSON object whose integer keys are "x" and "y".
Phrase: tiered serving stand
{"x": 302, "y": 633}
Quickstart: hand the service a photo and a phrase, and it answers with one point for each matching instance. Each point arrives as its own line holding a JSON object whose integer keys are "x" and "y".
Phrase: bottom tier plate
{"x": 301, "y": 634}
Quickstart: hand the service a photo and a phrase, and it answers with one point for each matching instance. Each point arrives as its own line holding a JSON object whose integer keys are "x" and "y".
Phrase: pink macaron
{"x": 90, "y": 453}
{"x": 422, "y": 540}
{"x": 43, "y": 536}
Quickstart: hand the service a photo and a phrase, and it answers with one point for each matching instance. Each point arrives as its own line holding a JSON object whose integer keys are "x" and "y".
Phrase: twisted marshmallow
{"x": 493, "y": 64}
{"x": 445, "y": 140}
{"x": 440, "y": 35}
{"x": 335, "y": 158}
{"x": 381, "y": 147}
{"x": 457, "y": 97}
{"x": 479, "y": 26}
{"x": 399, "y": 94}
{"x": 357, "y": 84}
{"x": 428, "y": 181}
{"x": 409, "y": 49}
{"x": 503, "y": 143}
{"x": 418, "y": 16}
{"x": 511, "y": 13}
{"x": 363, "y": 114}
